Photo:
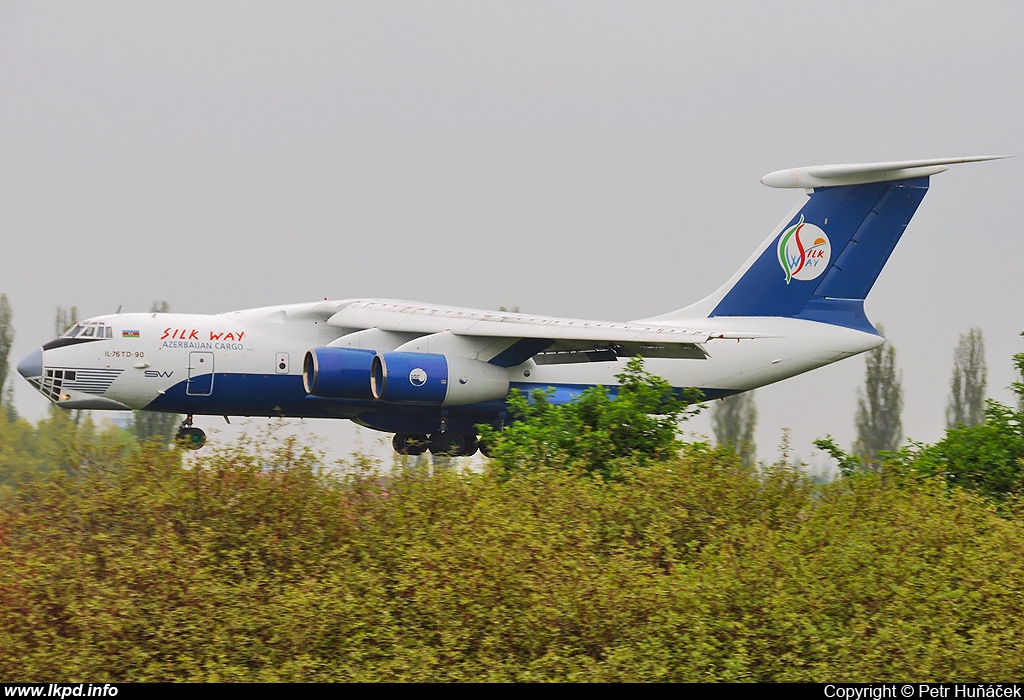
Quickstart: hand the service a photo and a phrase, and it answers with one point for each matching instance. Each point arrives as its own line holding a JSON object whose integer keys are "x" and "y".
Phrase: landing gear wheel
{"x": 191, "y": 438}
{"x": 188, "y": 437}
{"x": 454, "y": 444}
{"x": 447, "y": 443}
{"x": 411, "y": 444}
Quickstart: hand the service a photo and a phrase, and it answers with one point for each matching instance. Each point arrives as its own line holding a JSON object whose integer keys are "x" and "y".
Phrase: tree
{"x": 6, "y": 340}
{"x": 1018, "y": 386}
{"x": 65, "y": 319}
{"x": 880, "y": 404}
{"x": 598, "y": 433}
{"x": 987, "y": 457}
{"x": 967, "y": 387}
{"x": 149, "y": 425}
{"x": 733, "y": 419}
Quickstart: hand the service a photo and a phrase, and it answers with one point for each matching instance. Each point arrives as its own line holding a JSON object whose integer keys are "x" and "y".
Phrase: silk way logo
{"x": 799, "y": 260}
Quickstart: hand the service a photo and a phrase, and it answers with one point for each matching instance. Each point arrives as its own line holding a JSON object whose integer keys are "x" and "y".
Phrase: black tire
{"x": 191, "y": 438}
{"x": 411, "y": 444}
{"x": 417, "y": 444}
{"x": 448, "y": 443}
{"x": 472, "y": 445}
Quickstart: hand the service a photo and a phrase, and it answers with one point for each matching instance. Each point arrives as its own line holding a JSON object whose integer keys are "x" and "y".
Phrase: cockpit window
{"x": 89, "y": 330}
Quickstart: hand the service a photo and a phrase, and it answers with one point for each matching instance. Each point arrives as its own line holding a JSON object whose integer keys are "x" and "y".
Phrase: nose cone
{"x": 32, "y": 365}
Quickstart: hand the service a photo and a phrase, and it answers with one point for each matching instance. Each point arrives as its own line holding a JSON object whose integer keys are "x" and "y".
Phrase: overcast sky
{"x": 586, "y": 159}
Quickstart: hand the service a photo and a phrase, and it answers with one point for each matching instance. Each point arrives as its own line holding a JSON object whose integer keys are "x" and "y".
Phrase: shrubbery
{"x": 256, "y": 564}
{"x": 599, "y": 434}
{"x": 595, "y": 547}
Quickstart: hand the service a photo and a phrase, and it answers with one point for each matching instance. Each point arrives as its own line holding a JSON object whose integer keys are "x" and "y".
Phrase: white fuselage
{"x": 251, "y": 363}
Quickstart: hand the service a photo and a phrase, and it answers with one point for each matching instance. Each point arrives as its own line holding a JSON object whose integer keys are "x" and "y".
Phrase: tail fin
{"x": 822, "y": 261}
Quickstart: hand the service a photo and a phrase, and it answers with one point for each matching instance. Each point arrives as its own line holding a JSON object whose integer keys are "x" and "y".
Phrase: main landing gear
{"x": 446, "y": 443}
{"x": 188, "y": 437}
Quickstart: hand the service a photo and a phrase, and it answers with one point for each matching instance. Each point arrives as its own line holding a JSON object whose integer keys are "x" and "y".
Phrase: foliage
{"x": 55, "y": 443}
{"x": 6, "y": 340}
{"x": 148, "y": 425}
{"x": 733, "y": 419}
{"x": 254, "y": 563}
{"x": 849, "y": 464}
{"x": 64, "y": 319}
{"x": 985, "y": 458}
{"x": 880, "y": 404}
{"x": 598, "y": 433}
{"x": 967, "y": 386}
{"x": 1018, "y": 386}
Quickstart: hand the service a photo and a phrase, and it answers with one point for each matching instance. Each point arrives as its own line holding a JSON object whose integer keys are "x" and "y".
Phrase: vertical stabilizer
{"x": 822, "y": 261}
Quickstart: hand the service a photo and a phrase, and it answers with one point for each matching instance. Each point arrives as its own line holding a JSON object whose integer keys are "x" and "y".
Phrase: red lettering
{"x": 240, "y": 334}
{"x": 229, "y": 336}
{"x": 166, "y": 332}
{"x": 216, "y": 336}
{"x": 194, "y": 335}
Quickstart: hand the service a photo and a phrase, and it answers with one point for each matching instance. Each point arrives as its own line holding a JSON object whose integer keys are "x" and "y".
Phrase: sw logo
{"x": 801, "y": 261}
{"x": 156, "y": 374}
{"x": 418, "y": 377}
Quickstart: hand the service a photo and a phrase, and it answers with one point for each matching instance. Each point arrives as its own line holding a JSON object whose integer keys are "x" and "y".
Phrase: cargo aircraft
{"x": 431, "y": 374}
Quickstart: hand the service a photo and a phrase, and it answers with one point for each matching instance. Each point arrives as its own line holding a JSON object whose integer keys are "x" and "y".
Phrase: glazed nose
{"x": 32, "y": 366}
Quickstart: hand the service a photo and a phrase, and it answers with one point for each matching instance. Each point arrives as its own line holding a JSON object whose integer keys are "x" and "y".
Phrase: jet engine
{"x": 401, "y": 377}
{"x": 439, "y": 380}
{"x": 338, "y": 373}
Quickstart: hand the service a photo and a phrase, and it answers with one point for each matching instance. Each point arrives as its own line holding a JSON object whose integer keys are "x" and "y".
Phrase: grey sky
{"x": 586, "y": 159}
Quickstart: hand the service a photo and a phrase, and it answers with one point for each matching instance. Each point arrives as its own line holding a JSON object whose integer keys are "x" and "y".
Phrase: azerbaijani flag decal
{"x": 129, "y": 334}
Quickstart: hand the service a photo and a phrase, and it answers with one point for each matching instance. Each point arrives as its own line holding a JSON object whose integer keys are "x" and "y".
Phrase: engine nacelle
{"x": 338, "y": 373}
{"x": 439, "y": 380}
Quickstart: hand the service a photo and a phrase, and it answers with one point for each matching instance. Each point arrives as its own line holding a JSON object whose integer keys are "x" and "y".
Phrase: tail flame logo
{"x": 799, "y": 260}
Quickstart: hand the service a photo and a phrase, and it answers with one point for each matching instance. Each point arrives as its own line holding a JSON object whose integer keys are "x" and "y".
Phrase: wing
{"x": 509, "y": 339}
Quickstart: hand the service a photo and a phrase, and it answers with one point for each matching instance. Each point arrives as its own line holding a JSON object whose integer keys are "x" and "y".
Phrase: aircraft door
{"x": 200, "y": 374}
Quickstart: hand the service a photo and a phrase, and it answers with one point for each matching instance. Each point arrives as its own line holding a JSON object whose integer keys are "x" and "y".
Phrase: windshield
{"x": 89, "y": 330}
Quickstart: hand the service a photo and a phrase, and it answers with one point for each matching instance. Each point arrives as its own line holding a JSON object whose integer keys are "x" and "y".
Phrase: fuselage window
{"x": 89, "y": 332}
{"x": 73, "y": 331}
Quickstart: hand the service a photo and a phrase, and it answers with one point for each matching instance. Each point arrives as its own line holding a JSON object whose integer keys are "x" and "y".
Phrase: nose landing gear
{"x": 188, "y": 437}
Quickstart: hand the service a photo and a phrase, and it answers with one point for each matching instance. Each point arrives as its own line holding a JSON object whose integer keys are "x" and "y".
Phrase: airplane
{"x": 431, "y": 374}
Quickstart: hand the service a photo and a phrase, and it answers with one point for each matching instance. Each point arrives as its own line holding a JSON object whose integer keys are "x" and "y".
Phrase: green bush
{"x": 598, "y": 433}
{"x": 986, "y": 458}
{"x": 253, "y": 563}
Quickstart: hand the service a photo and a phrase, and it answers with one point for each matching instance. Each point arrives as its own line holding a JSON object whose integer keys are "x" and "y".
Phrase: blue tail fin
{"x": 822, "y": 263}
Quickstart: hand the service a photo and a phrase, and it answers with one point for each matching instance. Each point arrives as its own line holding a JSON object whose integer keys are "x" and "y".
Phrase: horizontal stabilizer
{"x": 863, "y": 173}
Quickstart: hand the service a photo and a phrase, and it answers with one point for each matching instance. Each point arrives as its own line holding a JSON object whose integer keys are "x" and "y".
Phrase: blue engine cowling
{"x": 338, "y": 373}
{"x": 439, "y": 380}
